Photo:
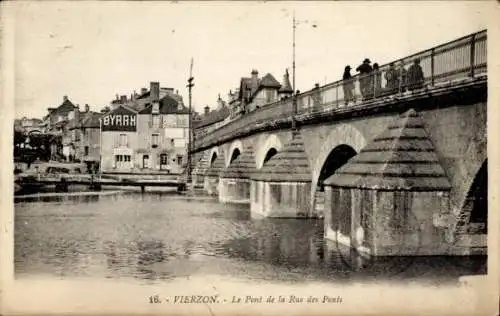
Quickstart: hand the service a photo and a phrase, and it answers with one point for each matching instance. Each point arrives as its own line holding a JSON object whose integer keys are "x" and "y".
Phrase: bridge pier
{"x": 200, "y": 169}
{"x": 234, "y": 190}
{"x": 279, "y": 199}
{"x": 211, "y": 184}
{"x": 384, "y": 200}
{"x": 211, "y": 179}
{"x": 281, "y": 188}
{"x": 234, "y": 183}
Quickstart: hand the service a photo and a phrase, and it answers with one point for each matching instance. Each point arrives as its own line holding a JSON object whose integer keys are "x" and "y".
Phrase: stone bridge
{"x": 447, "y": 114}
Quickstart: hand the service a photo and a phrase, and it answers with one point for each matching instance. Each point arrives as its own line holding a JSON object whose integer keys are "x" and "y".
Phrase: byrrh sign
{"x": 120, "y": 119}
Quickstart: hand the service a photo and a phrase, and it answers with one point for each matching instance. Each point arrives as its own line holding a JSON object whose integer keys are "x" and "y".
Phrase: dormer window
{"x": 156, "y": 108}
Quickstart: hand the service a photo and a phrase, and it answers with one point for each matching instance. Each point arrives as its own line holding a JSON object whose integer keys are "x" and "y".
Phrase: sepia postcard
{"x": 249, "y": 158}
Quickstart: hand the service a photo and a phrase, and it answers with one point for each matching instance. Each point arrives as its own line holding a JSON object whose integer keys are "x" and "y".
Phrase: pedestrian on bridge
{"x": 402, "y": 76}
{"x": 415, "y": 76}
{"x": 377, "y": 80}
{"x": 365, "y": 79}
{"x": 392, "y": 78}
{"x": 348, "y": 85}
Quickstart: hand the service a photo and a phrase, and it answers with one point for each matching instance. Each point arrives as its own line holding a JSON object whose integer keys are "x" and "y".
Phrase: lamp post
{"x": 295, "y": 22}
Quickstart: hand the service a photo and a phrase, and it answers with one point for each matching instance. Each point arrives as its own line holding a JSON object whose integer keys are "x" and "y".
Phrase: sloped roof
{"x": 168, "y": 105}
{"x": 268, "y": 81}
{"x": 122, "y": 109}
{"x": 286, "y": 86}
{"x": 289, "y": 165}
{"x": 91, "y": 120}
{"x": 65, "y": 107}
{"x": 245, "y": 84}
{"x": 213, "y": 117}
{"x": 242, "y": 166}
{"x": 217, "y": 166}
{"x": 401, "y": 158}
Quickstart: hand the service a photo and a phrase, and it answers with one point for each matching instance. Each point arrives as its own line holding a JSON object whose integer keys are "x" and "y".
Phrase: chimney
{"x": 255, "y": 81}
{"x": 87, "y": 108}
{"x": 220, "y": 103}
{"x": 65, "y": 98}
{"x": 207, "y": 110}
{"x": 123, "y": 99}
{"x": 144, "y": 90}
{"x": 154, "y": 91}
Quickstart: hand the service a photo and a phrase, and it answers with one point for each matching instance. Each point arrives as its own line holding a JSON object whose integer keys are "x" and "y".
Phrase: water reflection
{"x": 163, "y": 236}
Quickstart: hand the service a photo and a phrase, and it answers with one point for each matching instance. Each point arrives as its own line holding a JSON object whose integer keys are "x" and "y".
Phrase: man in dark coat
{"x": 365, "y": 79}
{"x": 403, "y": 78}
{"x": 415, "y": 76}
{"x": 348, "y": 85}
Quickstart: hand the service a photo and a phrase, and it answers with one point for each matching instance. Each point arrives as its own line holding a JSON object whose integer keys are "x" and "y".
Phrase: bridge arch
{"x": 476, "y": 199}
{"x": 234, "y": 151}
{"x": 212, "y": 155}
{"x": 343, "y": 142}
{"x": 271, "y": 146}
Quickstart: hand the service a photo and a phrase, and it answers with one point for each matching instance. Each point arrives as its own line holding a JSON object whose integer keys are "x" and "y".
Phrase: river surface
{"x": 157, "y": 237}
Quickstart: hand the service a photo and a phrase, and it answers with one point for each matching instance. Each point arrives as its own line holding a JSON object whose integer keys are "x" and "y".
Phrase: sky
{"x": 91, "y": 51}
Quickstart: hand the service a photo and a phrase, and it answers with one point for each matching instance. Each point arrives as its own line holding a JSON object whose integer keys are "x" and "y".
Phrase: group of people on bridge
{"x": 370, "y": 80}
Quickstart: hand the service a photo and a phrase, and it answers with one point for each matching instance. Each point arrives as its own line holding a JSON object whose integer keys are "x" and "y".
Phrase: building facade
{"x": 151, "y": 140}
{"x": 56, "y": 123}
{"x": 255, "y": 92}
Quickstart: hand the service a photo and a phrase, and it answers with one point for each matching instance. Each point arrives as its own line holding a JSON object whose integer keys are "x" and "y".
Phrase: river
{"x": 157, "y": 237}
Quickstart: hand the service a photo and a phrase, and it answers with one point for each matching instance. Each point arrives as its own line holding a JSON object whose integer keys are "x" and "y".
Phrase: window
{"x": 86, "y": 150}
{"x": 156, "y": 108}
{"x": 155, "y": 140}
{"x": 269, "y": 95}
{"x": 163, "y": 159}
{"x": 182, "y": 121}
{"x": 156, "y": 121}
{"x": 122, "y": 161}
{"x": 179, "y": 160}
{"x": 123, "y": 140}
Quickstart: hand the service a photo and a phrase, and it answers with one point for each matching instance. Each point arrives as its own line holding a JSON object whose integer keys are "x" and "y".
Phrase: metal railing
{"x": 441, "y": 65}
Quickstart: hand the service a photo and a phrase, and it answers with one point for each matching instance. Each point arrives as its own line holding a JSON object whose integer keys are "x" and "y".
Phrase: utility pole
{"x": 294, "y": 93}
{"x": 190, "y": 85}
